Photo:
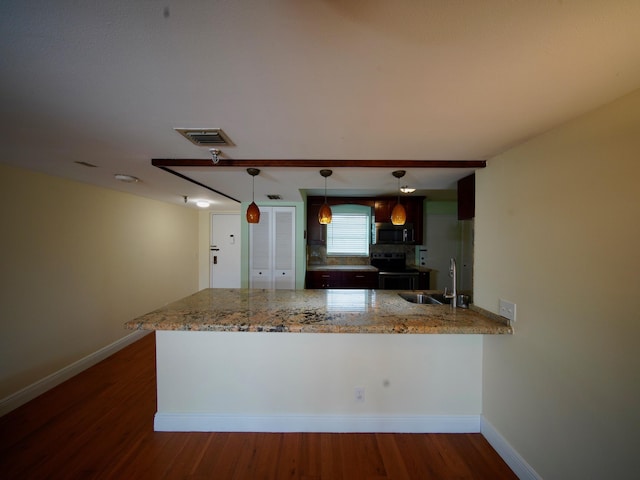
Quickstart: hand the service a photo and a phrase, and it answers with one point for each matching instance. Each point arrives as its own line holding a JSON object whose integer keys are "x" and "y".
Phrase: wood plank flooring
{"x": 99, "y": 425}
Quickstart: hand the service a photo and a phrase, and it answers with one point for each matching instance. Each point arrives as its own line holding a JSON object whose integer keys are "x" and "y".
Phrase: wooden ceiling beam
{"x": 223, "y": 162}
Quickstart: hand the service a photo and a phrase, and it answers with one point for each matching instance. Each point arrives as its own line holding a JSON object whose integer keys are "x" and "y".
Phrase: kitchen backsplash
{"x": 317, "y": 255}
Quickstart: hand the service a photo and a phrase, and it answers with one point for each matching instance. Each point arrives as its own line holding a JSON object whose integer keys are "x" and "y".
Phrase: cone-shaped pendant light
{"x": 253, "y": 212}
{"x": 398, "y": 214}
{"x": 324, "y": 215}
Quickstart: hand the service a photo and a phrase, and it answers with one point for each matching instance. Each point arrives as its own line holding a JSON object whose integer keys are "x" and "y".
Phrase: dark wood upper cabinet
{"x": 412, "y": 205}
{"x": 467, "y": 197}
{"x": 383, "y": 210}
{"x": 316, "y": 233}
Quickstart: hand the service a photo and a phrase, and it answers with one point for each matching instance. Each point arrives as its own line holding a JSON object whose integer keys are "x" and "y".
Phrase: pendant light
{"x": 324, "y": 215}
{"x": 253, "y": 212}
{"x": 398, "y": 214}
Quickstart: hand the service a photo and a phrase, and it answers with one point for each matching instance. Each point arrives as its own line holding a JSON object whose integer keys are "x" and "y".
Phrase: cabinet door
{"x": 320, "y": 279}
{"x": 316, "y": 233}
{"x": 415, "y": 212}
{"x": 424, "y": 280}
{"x": 383, "y": 211}
{"x": 467, "y": 197}
{"x": 284, "y": 249}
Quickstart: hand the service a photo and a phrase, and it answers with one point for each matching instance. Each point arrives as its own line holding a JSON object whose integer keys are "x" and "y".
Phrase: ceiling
{"x": 108, "y": 82}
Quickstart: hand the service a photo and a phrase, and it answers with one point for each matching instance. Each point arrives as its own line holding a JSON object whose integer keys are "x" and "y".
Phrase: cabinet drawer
{"x": 360, "y": 280}
{"x": 322, "y": 279}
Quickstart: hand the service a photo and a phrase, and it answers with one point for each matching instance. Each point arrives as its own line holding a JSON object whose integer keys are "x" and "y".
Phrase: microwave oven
{"x": 390, "y": 234}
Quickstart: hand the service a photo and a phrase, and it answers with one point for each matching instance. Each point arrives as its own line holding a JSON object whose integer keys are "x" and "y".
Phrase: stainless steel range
{"x": 393, "y": 273}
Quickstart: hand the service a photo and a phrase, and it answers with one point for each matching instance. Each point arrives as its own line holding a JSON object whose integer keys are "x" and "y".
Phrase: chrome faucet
{"x": 454, "y": 294}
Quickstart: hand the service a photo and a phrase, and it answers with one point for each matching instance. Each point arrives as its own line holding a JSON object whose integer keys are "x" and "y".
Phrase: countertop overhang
{"x": 315, "y": 311}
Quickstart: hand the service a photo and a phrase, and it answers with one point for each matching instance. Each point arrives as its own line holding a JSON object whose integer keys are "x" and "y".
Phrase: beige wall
{"x": 558, "y": 233}
{"x": 77, "y": 262}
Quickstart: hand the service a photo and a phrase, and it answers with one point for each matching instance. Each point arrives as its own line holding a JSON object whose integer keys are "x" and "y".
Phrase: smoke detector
{"x": 205, "y": 137}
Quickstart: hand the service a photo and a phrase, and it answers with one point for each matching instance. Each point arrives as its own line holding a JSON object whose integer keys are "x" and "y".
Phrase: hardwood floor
{"x": 99, "y": 424}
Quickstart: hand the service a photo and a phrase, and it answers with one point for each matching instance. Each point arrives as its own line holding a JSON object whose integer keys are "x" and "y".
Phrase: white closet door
{"x": 284, "y": 247}
{"x": 260, "y": 247}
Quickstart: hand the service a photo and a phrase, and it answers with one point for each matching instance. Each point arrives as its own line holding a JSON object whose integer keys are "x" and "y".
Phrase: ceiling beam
{"x": 168, "y": 162}
{"x": 189, "y": 179}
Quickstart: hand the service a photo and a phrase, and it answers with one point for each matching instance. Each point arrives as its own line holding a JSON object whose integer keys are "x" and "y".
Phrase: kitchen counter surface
{"x": 421, "y": 269}
{"x": 341, "y": 268}
{"x": 315, "y": 311}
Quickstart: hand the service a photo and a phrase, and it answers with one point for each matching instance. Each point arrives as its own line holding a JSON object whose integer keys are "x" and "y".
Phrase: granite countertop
{"x": 355, "y": 268}
{"x": 341, "y": 268}
{"x": 315, "y": 311}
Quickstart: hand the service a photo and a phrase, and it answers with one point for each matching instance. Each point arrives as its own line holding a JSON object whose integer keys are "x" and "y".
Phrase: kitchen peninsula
{"x": 293, "y": 360}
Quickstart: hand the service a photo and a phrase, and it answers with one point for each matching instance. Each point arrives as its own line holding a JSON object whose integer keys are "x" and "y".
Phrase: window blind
{"x": 348, "y": 234}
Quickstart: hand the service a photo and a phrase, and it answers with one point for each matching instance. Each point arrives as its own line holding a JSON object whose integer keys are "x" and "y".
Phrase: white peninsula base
{"x": 309, "y": 382}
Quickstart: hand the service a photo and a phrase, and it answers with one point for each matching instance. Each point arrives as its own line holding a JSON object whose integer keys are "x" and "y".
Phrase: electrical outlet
{"x": 359, "y": 393}
{"x": 422, "y": 260}
{"x": 507, "y": 309}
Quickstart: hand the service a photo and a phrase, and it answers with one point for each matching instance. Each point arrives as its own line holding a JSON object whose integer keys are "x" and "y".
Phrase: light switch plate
{"x": 507, "y": 309}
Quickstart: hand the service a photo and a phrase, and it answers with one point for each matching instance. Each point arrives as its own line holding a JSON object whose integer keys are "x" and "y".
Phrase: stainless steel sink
{"x": 425, "y": 298}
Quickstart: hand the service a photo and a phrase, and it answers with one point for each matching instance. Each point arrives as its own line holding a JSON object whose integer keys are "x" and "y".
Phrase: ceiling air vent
{"x": 273, "y": 196}
{"x": 205, "y": 137}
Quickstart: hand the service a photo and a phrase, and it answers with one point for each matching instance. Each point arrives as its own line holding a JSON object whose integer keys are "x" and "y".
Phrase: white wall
{"x": 77, "y": 262}
{"x": 558, "y": 233}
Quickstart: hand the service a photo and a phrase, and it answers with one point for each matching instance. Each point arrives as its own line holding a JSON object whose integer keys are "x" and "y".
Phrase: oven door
{"x": 397, "y": 281}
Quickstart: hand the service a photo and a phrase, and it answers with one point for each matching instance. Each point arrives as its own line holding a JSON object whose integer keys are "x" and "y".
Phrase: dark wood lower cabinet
{"x": 321, "y": 279}
{"x": 341, "y": 279}
{"x": 424, "y": 281}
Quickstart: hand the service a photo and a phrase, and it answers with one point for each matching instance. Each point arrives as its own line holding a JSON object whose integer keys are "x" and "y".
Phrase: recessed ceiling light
{"x": 126, "y": 178}
{"x": 407, "y": 189}
{"x": 203, "y": 204}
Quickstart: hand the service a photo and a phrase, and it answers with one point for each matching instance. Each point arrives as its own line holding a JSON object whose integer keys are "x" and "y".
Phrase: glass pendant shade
{"x": 324, "y": 215}
{"x": 253, "y": 213}
{"x": 398, "y": 215}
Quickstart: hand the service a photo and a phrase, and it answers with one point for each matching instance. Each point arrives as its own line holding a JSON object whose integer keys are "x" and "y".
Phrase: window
{"x": 349, "y": 232}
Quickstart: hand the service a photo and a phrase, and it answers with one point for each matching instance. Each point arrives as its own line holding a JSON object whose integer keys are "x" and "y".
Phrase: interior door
{"x": 272, "y": 249}
{"x": 225, "y": 250}
{"x": 260, "y": 246}
{"x": 284, "y": 274}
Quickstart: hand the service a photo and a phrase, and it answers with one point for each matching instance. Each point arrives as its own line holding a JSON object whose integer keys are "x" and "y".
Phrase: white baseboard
{"x": 511, "y": 457}
{"x": 30, "y": 392}
{"x": 203, "y": 422}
